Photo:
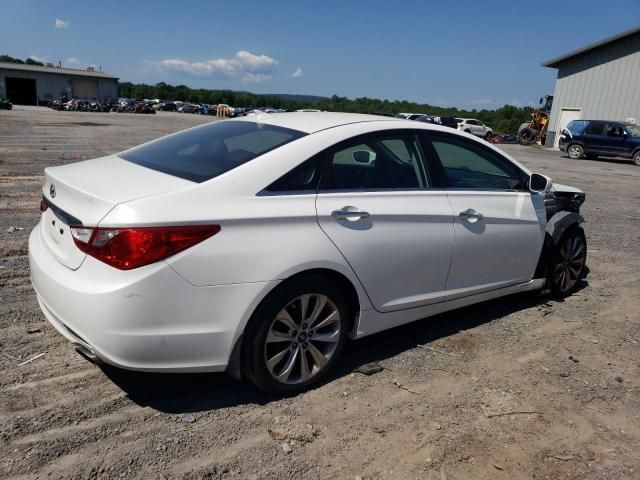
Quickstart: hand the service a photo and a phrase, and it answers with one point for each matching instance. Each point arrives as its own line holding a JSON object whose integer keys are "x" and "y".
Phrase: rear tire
{"x": 567, "y": 263}
{"x": 575, "y": 152}
{"x": 295, "y": 336}
{"x": 636, "y": 158}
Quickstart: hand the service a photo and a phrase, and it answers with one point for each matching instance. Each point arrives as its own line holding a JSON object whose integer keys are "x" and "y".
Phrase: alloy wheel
{"x": 570, "y": 263}
{"x": 302, "y": 338}
{"x": 575, "y": 152}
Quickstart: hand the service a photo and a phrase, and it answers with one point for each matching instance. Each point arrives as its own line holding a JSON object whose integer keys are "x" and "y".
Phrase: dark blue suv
{"x": 593, "y": 138}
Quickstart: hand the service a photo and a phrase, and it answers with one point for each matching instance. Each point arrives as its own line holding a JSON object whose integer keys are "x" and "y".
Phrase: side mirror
{"x": 363, "y": 156}
{"x": 539, "y": 183}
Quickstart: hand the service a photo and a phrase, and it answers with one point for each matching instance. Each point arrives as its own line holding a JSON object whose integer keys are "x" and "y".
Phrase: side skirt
{"x": 372, "y": 321}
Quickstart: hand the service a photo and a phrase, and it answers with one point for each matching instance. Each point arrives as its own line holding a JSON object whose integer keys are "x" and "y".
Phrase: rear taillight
{"x": 128, "y": 248}
{"x": 43, "y": 205}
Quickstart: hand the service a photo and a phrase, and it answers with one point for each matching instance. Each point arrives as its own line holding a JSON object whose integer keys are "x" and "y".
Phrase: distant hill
{"x": 295, "y": 98}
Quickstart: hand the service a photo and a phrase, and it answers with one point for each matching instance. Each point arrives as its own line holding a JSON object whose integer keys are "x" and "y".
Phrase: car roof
{"x": 311, "y": 122}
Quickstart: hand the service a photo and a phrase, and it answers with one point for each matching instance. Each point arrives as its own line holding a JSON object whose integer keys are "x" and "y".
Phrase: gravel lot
{"x": 518, "y": 388}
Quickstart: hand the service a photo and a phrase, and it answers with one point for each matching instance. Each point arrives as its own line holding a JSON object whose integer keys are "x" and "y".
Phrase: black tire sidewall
{"x": 253, "y": 364}
{"x": 579, "y": 156}
{"x": 556, "y": 291}
{"x": 636, "y": 159}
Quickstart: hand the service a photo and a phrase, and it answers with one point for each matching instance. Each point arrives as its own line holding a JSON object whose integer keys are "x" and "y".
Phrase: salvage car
{"x": 259, "y": 246}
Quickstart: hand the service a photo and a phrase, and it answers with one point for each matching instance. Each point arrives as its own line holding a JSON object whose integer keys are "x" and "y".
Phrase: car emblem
{"x": 52, "y": 191}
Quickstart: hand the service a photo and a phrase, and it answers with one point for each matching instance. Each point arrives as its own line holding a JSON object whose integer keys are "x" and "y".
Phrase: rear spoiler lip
{"x": 62, "y": 215}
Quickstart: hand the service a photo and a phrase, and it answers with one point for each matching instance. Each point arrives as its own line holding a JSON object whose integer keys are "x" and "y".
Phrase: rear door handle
{"x": 349, "y": 213}
{"x": 470, "y": 215}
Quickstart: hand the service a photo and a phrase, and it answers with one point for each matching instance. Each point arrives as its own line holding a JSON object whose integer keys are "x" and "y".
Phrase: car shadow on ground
{"x": 197, "y": 392}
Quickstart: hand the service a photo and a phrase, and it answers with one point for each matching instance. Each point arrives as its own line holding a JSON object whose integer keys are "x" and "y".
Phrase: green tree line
{"x": 28, "y": 61}
{"x": 505, "y": 119}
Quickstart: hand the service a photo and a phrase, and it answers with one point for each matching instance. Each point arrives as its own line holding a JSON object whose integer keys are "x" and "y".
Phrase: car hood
{"x": 559, "y": 187}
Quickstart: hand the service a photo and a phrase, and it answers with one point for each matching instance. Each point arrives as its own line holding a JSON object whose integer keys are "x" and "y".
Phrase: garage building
{"x": 32, "y": 84}
{"x": 597, "y": 82}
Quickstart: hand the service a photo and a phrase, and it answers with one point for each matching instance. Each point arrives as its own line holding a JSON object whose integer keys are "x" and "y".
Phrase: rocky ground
{"x": 518, "y": 388}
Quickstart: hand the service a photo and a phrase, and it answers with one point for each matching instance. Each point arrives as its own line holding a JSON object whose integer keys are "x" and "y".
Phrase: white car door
{"x": 499, "y": 224}
{"x": 395, "y": 232}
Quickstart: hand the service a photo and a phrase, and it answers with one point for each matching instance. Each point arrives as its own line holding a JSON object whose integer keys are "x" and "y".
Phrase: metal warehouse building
{"x": 30, "y": 84}
{"x": 597, "y": 82}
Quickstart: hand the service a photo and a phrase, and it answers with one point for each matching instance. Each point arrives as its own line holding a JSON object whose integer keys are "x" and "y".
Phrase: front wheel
{"x": 488, "y": 136}
{"x": 636, "y": 158}
{"x": 568, "y": 263}
{"x": 295, "y": 336}
{"x": 575, "y": 152}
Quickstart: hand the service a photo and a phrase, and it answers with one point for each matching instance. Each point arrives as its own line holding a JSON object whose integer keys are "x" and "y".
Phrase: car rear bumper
{"x": 147, "y": 319}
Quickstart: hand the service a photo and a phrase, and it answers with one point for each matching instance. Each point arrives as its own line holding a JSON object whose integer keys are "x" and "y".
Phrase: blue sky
{"x": 464, "y": 53}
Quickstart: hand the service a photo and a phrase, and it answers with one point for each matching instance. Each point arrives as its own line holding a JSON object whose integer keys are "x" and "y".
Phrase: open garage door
{"x": 21, "y": 91}
{"x": 85, "y": 88}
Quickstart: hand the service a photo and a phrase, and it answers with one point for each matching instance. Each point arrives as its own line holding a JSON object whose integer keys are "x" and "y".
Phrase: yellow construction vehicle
{"x": 530, "y": 132}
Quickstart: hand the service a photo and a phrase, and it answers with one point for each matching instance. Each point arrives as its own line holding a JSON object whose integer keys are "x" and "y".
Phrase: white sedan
{"x": 258, "y": 246}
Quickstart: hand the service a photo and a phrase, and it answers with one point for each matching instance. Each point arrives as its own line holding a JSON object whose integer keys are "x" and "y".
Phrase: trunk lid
{"x": 81, "y": 194}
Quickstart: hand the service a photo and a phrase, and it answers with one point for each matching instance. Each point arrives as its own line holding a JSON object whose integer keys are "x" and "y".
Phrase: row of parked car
{"x": 81, "y": 105}
{"x": 469, "y": 125}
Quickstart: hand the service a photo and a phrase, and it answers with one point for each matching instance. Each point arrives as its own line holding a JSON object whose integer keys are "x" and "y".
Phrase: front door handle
{"x": 349, "y": 213}
{"x": 470, "y": 215}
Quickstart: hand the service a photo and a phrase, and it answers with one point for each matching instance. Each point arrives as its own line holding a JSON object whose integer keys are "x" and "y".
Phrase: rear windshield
{"x": 202, "y": 153}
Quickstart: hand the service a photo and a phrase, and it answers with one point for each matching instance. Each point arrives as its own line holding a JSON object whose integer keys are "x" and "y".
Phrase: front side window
{"x": 634, "y": 130}
{"x": 614, "y": 130}
{"x": 202, "y": 153}
{"x": 467, "y": 165}
{"x": 386, "y": 161}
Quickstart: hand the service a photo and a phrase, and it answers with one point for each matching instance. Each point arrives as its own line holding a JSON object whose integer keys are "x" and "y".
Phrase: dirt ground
{"x": 518, "y": 388}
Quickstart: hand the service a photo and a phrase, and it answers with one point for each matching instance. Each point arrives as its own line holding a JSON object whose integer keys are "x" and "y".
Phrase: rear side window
{"x": 594, "y": 128}
{"x": 577, "y": 127}
{"x": 203, "y": 153}
{"x": 302, "y": 179}
{"x": 380, "y": 161}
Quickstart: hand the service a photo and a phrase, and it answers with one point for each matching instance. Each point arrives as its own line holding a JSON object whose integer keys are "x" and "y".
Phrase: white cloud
{"x": 73, "y": 61}
{"x": 38, "y": 59}
{"x": 297, "y": 73}
{"x": 61, "y": 23}
{"x": 249, "y": 66}
{"x": 483, "y": 101}
{"x": 256, "y": 77}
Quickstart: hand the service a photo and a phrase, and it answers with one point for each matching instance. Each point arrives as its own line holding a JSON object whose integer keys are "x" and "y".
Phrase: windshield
{"x": 203, "y": 153}
{"x": 634, "y": 130}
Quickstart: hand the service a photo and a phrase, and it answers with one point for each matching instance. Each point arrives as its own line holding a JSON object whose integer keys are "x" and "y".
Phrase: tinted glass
{"x": 202, "y": 153}
{"x": 467, "y": 165}
{"x": 614, "y": 130}
{"x": 594, "y": 128}
{"x": 577, "y": 127}
{"x": 385, "y": 162}
{"x": 302, "y": 179}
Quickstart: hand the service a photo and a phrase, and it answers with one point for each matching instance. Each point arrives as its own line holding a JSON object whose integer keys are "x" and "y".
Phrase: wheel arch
{"x": 557, "y": 225}
{"x": 353, "y": 296}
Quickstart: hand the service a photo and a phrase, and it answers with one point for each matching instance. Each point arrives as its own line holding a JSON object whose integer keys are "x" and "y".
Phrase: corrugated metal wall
{"x": 52, "y": 86}
{"x": 604, "y": 83}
